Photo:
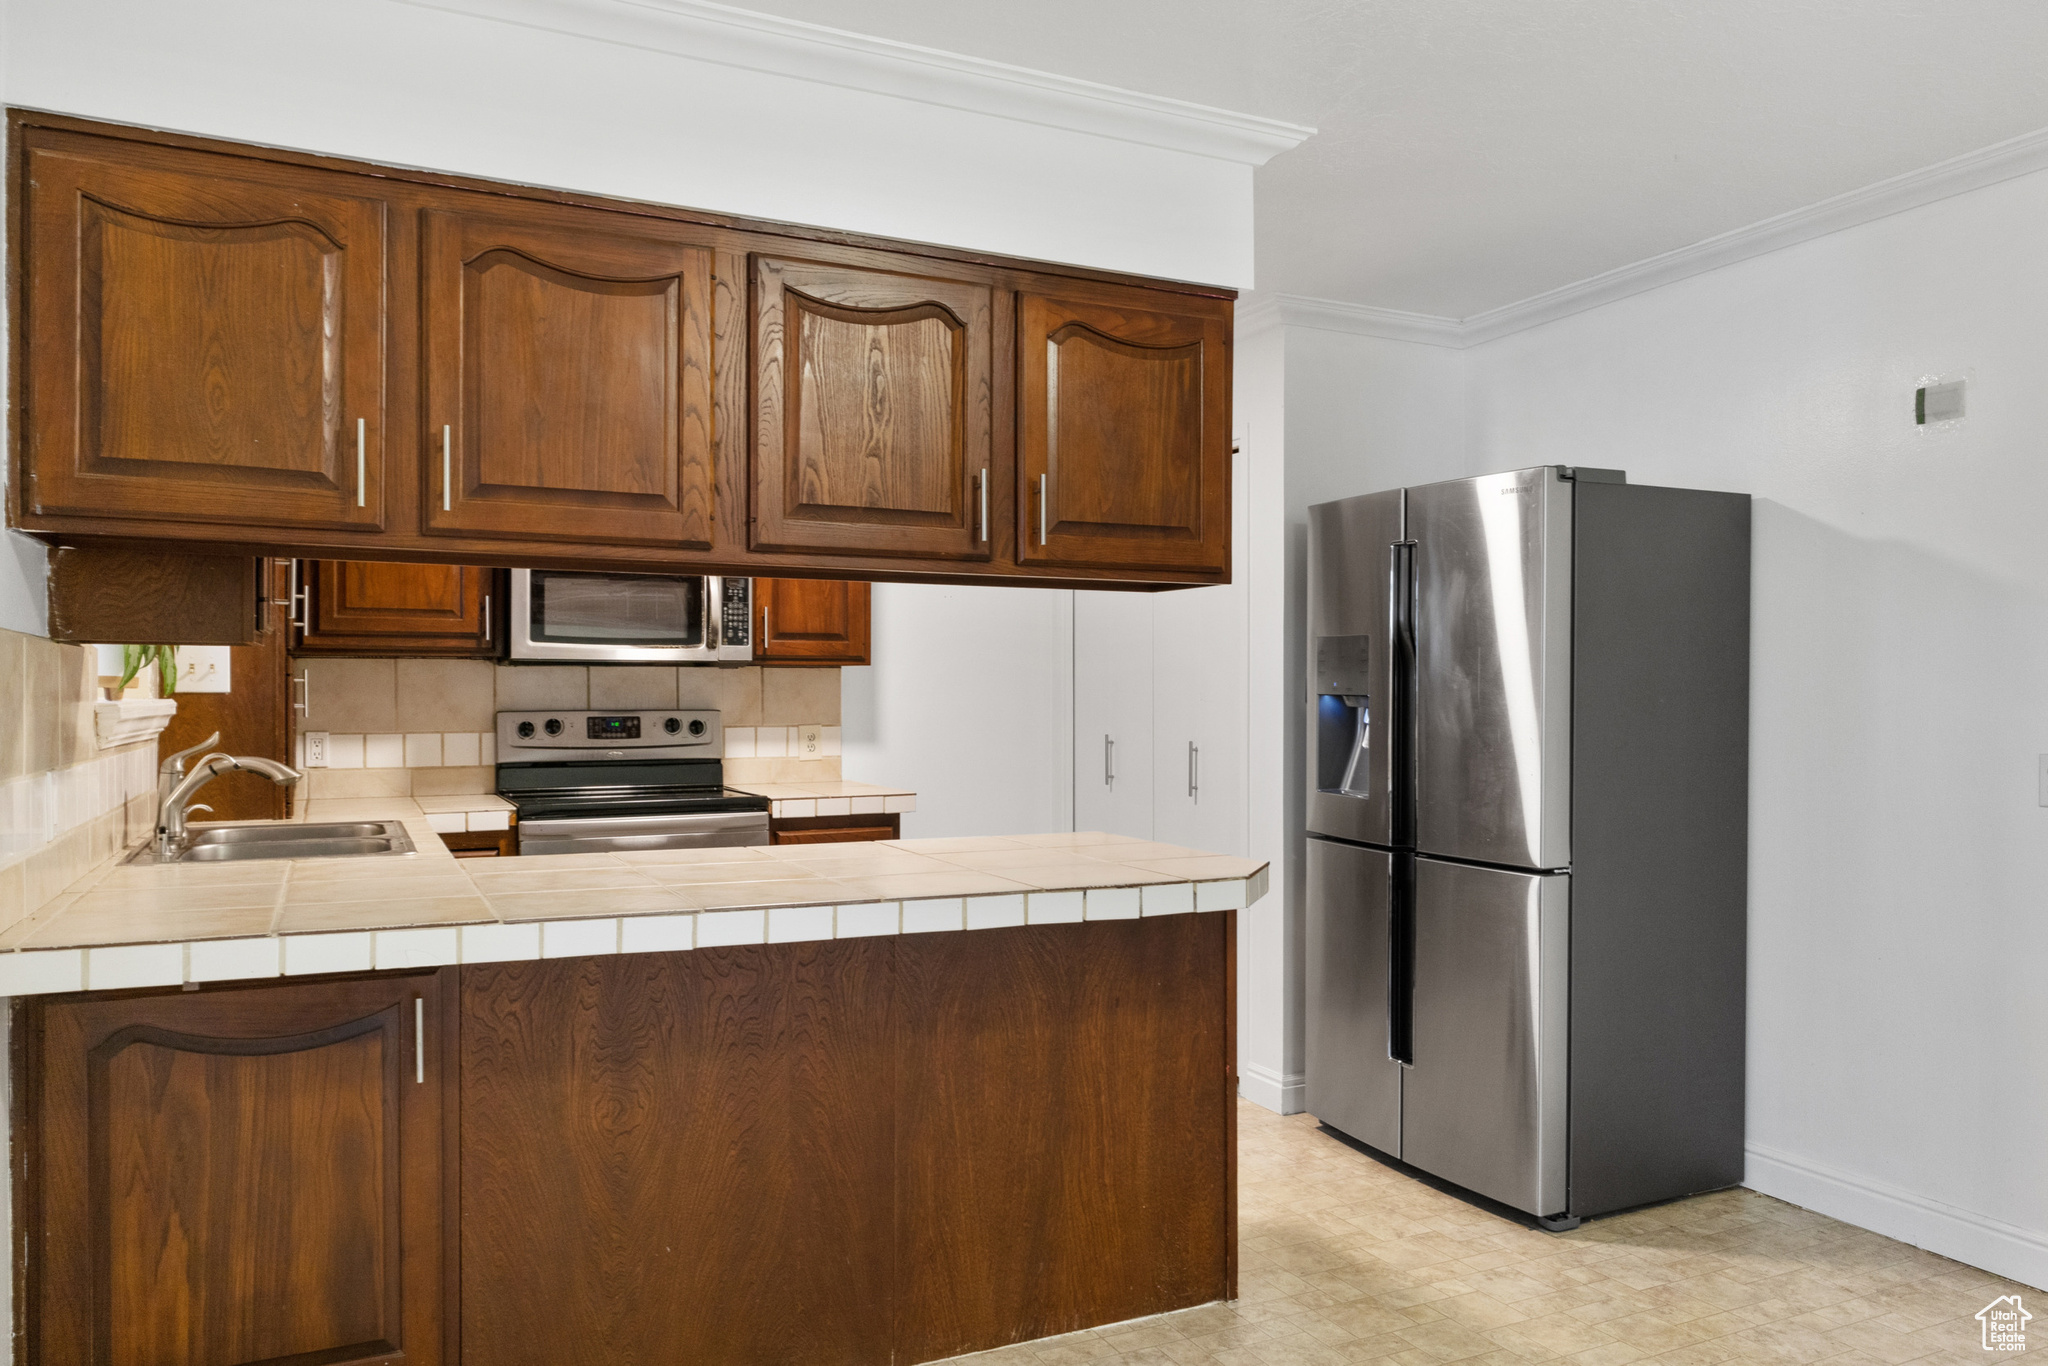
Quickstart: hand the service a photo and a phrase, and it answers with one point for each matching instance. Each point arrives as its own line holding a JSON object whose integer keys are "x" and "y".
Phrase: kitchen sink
{"x": 337, "y": 839}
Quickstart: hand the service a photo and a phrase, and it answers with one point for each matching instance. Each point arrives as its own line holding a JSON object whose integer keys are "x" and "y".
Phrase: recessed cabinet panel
{"x": 874, "y": 395}
{"x": 569, "y": 377}
{"x": 361, "y": 607}
{"x": 238, "y": 1176}
{"x": 205, "y": 339}
{"x": 1123, "y": 431}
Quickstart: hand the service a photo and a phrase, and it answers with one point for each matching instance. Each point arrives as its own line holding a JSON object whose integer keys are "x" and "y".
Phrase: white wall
{"x": 1899, "y": 853}
{"x": 612, "y": 101}
{"x": 969, "y": 703}
{"x": 1349, "y": 415}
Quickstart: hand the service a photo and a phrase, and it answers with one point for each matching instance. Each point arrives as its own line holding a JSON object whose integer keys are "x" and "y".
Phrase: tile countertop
{"x": 142, "y": 925}
{"x": 788, "y": 800}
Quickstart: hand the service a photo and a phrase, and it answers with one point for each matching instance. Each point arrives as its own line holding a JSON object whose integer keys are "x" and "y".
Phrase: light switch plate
{"x": 316, "y": 748}
{"x": 810, "y": 742}
{"x": 203, "y": 668}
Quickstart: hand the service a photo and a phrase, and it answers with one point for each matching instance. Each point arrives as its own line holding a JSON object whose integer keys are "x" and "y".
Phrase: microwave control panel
{"x": 736, "y": 619}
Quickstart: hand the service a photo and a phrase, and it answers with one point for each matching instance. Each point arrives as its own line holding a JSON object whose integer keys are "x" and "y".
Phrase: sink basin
{"x": 295, "y": 834}
{"x": 338, "y": 839}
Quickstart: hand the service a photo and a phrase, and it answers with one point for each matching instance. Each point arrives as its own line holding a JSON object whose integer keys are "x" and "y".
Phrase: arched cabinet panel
{"x": 239, "y": 1176}
{"x": 205, "y": 340}
{"x": 873, "y": 399}
{"x": 569, "y": 376}
{"x": 1124, "y": 431}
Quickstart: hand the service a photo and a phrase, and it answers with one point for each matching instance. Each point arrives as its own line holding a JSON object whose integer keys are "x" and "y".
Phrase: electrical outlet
{"x": 316, "y": 748}
{"x": 810, "y": 742}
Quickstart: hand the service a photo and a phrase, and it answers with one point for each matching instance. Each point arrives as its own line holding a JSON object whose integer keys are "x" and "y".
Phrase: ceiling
{"x": 1473, "y": 153}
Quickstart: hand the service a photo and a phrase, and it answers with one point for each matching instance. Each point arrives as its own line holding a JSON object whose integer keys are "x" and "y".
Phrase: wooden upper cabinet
{"x": 359, "y": 607}
{"x": 811, "y": 621}
{"x": 1123, "y": 429}
{"x": 873, "y": 394}
{"x": 239, "y": 1175}
{"x": 204, "y": 338}
{"x": 569, "y": 378}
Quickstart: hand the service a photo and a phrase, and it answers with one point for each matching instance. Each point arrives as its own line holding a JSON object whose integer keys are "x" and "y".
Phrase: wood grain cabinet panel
{"x": 1123, "y": 430}
{"x": 237, "y": 1176}
{"x": 873, "y": 394}
{"x": 678, "y": 1157}
{"x": 365, "y": 607}
{"x": 811, "y": 621}
{"x": 569, "y": 376}
{"x": 205, "y": 338}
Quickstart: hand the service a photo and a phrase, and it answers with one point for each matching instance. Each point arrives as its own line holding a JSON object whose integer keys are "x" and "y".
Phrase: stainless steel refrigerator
{"x": 1527, "y": 820}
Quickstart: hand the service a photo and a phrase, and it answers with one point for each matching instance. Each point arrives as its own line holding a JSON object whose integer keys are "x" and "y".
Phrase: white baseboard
{"x": 1264, "y": 1086}
{"x": 2003, "y": 1249}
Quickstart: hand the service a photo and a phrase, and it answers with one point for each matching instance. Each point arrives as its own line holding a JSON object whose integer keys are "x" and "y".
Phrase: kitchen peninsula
{"x": 800, "y": 1103}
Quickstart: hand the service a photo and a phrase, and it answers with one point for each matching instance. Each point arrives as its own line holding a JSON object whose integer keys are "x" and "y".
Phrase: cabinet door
{"x": 252, "y": 717}
{"x": 1113, "y": 705}
{"x": 810, "y": 621}
{"x": 204, "y": 338}
{"x": 873, "y": 394}
{"x": 238, "y": 1175}
{"x": 569, "y": 376}
{"x": 1123, "y": 455}
{"x": 356, "y": 607}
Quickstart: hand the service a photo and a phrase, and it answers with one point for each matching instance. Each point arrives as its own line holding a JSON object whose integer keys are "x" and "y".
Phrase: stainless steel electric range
{"x": 591, "y": 782}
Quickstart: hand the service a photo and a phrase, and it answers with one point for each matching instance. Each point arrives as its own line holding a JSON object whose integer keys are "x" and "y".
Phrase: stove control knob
{"x": 554, "y": 725}
{"x": 696, "y": 728}
{"x": 672, "y": 725}
{"x": 526, "y": 730}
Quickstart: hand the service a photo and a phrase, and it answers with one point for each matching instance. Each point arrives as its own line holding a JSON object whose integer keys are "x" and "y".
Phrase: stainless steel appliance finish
{"x": 571, "y": 616}
{"x": 1486, "y": 1095}
{"x": 1352, "y": 546}
{"x": 596, "y": 782}
{"x": 1356, "y": 1083}
{"x": 1493, "y": 571}
{"x": 1527, "y": 750}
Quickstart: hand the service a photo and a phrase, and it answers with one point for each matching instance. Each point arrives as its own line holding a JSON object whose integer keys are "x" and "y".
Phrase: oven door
{"x": 601, "y": 834}
{"x": 580, "y": 616}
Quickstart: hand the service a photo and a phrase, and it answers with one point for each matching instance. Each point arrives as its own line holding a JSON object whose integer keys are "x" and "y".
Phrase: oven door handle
{"x": 599, "y": 827}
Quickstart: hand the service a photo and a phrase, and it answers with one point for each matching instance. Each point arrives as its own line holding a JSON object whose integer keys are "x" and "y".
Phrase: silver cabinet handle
{"x": 1108, "y": 762}
{"x": 487, "y": 618}
{"x": 1041, "y": 509}
{"x": 362, "y": 462}
{"x": 1194, "y": 770}
{"x": 447, "y": 468}
{"x": 304, "y": 706}
{"x": 419, "y": 1039}
{"x": 298, "y": 600}
{"x": 983, "y": 482}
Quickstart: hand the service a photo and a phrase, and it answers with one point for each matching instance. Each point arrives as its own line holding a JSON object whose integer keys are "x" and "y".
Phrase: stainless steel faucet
{"x": 171, "y": 811}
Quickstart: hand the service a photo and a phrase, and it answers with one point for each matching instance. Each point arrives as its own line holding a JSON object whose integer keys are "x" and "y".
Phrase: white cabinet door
{"x": 1199, "y": 714}
{"x": 1113, "y": 713}
{"x": 1198, "y": 719}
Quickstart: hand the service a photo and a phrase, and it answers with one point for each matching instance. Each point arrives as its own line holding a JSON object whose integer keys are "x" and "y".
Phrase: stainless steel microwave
{"x": 573, "y": 616}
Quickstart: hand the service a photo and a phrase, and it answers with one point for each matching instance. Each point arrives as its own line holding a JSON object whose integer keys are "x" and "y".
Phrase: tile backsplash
{"x": 399, "y": 727}
{"x": 66, "y": 805}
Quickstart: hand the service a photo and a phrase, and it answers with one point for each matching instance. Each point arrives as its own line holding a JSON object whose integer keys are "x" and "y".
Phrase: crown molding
{"x": 2002, "y": 161}
{"x": 1976, "y": 170}
{"x": 705, "y": 32}
{"x": 1262, "y": 311}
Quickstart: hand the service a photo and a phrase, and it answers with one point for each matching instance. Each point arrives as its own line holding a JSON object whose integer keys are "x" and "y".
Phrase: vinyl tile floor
{"x": 1347, "y": 1260}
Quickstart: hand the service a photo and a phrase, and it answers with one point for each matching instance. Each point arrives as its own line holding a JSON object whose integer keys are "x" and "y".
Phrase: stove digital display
{"x": 612, "y": 727}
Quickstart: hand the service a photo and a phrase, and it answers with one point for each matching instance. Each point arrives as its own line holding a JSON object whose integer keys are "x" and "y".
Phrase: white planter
{"x": 132, "y": 720}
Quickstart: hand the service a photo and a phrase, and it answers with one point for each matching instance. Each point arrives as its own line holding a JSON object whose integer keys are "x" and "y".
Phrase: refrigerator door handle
{"x": 1399, "y": 722}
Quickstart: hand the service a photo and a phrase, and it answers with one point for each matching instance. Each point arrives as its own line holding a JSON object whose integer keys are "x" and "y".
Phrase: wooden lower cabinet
{"x": 235, "y": 1175}
{"x": 833, "y": 829}
{"x": 887, "y": 1149}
